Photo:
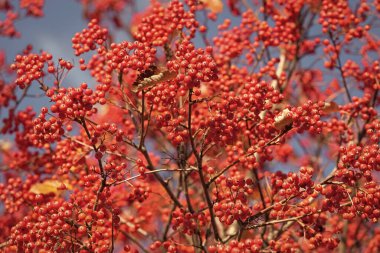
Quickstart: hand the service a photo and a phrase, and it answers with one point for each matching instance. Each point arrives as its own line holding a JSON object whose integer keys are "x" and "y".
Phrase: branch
{"x": 201, "y": 176}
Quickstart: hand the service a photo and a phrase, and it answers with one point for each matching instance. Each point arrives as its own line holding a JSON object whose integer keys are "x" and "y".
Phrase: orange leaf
{"x": 215, "y": 6}
{"x": 330, "y": 107}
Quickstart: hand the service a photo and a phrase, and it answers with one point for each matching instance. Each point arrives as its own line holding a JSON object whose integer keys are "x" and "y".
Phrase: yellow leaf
{"x": 49, "y": 186}
{"x": 283, "y": 119}
{"x": 213, "y": 5}
{"x": 5, "y": 145}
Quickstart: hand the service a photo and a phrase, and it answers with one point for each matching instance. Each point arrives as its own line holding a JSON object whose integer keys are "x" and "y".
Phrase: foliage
{"x": 215, "y": 126}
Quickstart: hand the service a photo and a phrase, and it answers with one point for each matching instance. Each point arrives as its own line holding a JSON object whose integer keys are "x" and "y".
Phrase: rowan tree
{"x": 212, "y": 126}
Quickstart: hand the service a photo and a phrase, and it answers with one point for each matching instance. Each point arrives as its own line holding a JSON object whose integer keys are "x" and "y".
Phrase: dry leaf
{"x": 49, "y": 186}
{"x": 5, "y": 145}
{"x": 154, "y": 79}
{"x": 283, "y": 119}
{"x": 330, "y": 107}
{"x": 215, "y": 6}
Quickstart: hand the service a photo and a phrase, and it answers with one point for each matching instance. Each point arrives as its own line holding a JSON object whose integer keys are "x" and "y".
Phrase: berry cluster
{"x": 338, "y": 15}
{"x": 126, "y": 56}
{"x": 74, "y": 103}
{"x": 161, "y": 24}
{"x": 29, "y": 67}
{"x": 46, "y": 130}
{"x": 363, "y": 159}
{"x": 367, "y": 202}
{"x": 45, "y": 227}
{"x": 14, "y": 193}
{"x": 234, "y": 246}
{"x": 373, "y": 132}
{"x": 287, "y": 185}
{"x": 7, "y": 27}
{"x": 232, "y": 199}
{"x": 305, "y": 117}
{"x": 195, "y": 65}
{"x": 187, "y": 222}
{"x": 89, "y": 38}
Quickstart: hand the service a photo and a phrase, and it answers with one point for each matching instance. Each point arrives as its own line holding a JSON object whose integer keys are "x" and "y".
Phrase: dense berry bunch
{"x": 232, "y": 199}
{"x": 13, "y": 13}
{"x": 195, "y": 65}
{"x": 163, "y": 23}
{"x": 187, "y": 222}
{"x": 15, "y": 193}
{"x": 119, "y": 57}
{"x": 30, "y": 67}
{"x": 89, "y": 38}
{"x": 248, "y": 245}
{"x": 203, "y": 126}
{"x": 74, "y": 103}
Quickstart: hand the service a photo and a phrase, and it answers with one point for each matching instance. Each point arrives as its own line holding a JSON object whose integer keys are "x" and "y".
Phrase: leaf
{"x": 154, "y": 79}
{"x": 49, "y": 186}
{"x": 283, "y": 119}
{"x": 215, "y": 6}
{"x": 5, "y": 145}
{"x": 330, "y": 107}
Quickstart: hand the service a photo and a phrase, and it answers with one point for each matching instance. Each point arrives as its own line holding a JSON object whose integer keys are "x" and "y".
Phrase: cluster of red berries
{"x": 114, "y": 169}
{"x": 98, "y": 67}
{"x": 258, "y": 97}
{"x": 335, "y": 198}
{"x": 234, "y": 246}
{"x": 65, "y": 156}
{"x": 194, "y": 65}
{"x": 287, "y": 185}
{"x": 162, "y": 96}
{"x": 373, "y": 132}
{"x": 29, "y": 67}
{"x": 222, "y": 128}
{"x": 187, "y": 222}
{"x": 337, "y": 15}
{"x": 361, "y": 106}
{"x": 89, "y": 38}
{"x": 46, "y": 130}
{"x": 100, "y": 9}
{"x": 339, "y": 129}
{"x": 7, "y": 26}
{"x": 176, "y": 133}
{"x": 21, "y": 124}
{"x": 229, "y": 78}
{"x": 7, "y": 92}
{"x": 33, "y": 7}
{"x": 162, "y": 23}
{"x": 97, "y": 222}
{"x": 126, "y": 56}
{"x": 370, "y": 75}
{"x": 307, "y": 117}
{"x": 15, "y": 192}
{"x": 140, "y": 192}
{"x": 364, "y": 159}
{"x": 232, "y": 198}
{"x": 231, "y": 43}
{"x": 246, "y": 159}
{"x": 367, "y": 201}
{"x": 322, "y": 240}
{"x": 43, "y": 228}
{"x": 74, "y": 103}
{"x": 169, "y": 246}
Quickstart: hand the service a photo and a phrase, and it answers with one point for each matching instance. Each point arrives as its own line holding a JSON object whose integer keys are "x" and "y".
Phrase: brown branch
{"x": 103, "y": 175}
{"x": 200, "y": 172}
